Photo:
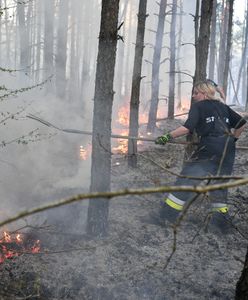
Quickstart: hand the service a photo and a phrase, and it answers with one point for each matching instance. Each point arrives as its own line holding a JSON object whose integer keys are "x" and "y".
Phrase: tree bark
{"x": 172, "y": 75}
{"x": 228, "y": 45}
{"x": 179, "y": 46}
{"x": 156, "y": 67}
{"x": 136, "y": 79}
{"x": 48, "y": 53}
{"x": 23, "y": 37}
{"x": 39, "y": 6}
{"x": 202, "y": 38}
{"x": 85, "y": 74}
{"x": 223, "y": 39}
{"x": 7, "y": 33}
{"x": 202, "y": 44}
{"x": 61, "y": 53}
{"x": 97, "y": 222}
{"x": 243, "y": 58}
{"x": 212, "y": 48}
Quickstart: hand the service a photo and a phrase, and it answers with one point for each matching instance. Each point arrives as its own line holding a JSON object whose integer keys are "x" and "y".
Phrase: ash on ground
{"x": 131, "y": 262}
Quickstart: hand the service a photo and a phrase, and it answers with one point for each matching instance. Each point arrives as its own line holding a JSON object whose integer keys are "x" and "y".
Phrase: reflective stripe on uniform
{"x": 220, "y": 207}
{"x": 174, "y": 202}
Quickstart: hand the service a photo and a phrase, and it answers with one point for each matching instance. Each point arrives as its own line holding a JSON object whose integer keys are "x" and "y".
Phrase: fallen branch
{"x": 125, "y": 192}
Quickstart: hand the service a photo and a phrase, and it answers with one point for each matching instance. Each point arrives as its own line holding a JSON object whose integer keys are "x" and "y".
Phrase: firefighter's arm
{"x": 180, "y": 131}
{"x": 237, "y": 132}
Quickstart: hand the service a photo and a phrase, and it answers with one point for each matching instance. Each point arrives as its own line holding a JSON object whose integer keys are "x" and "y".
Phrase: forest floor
{"x": 131, "y": 262}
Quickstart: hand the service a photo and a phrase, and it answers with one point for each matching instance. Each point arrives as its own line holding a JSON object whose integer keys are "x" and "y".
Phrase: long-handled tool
{"x": 115, "y": 136}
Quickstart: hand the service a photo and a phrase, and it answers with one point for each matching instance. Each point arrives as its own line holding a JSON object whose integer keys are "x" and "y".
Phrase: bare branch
{"x": 125, "y": 192}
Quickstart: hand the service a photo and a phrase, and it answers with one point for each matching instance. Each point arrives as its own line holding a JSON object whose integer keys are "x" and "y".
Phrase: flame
{"x": 12, "y": 245}
{"x": 123, "y": 119}
{"x": 84, "y": 152}
{"x": 36, "y": 247}
{"x": 123, "y": 116}
{"x": 122, "y": 144}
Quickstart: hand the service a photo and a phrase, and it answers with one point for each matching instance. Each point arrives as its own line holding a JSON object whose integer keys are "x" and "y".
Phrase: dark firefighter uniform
{"x": 212, "y": 120}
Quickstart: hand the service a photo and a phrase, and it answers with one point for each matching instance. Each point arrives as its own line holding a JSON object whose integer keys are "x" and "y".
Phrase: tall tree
{"x": 223, "y": 39}
{"x": 172, "y": 74}
{"x": 48, "y": 52}
{"x": 23, "y": 36}
{"x": 156, "y": 67}
{"x": 243, "y": 57}
{"x": 88, "y": 26}
{"x": 120, "y": 53}
{"x": 212, "y": 48}
{"x": 202, "y": 37}
{"x": 7, "y": 33}
{"x": 97, "y": 222}
{"x": 61, "y": 52}
{"x": 179, "y": 46}
{"x": 228, "y": 45}
{"x": 202, "y": 42}
{"x": 39, "y": 6}
{"x": 136, "y": 79}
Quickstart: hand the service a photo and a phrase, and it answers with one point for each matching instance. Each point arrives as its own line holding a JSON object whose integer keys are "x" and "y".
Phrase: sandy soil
{"x": 130, "y": 262}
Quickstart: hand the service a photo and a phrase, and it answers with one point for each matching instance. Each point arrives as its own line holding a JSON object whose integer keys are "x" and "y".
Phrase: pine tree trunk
{"x": 203, "y": 41}
{"x": 156, "y": 67}
{"x": 121, "y": 55}
{"x": 128, "y": 52}
{"x": 179, "y": 46}
{"x": 243, "y": 58}
{"x": 23, "y": 37}
{"x": 73, "y": 67}
{"x": 29, "y": 32}
{"x": 228, "y": 46}
{"x": 48, "y": 52}
{"x": 39, "y": 7}
{"x": 212, "y": 48}
{"x": 202, "y": 38}
{"x": 61, "y": 53}
{"x": 7, "y": 33}
{"x": 223, "y": 39}
{"x": 85, "y": 74}
{"x": 136, "y": 78}
{"x": 97, "y": 222}
{"x": 172, "y": 74}
{"x": 242, "y": 285}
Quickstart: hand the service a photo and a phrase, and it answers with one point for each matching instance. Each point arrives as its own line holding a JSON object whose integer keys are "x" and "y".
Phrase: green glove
{"x": 162, "y": 140}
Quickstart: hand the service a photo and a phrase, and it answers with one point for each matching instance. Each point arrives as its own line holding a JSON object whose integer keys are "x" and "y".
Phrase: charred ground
{"x": 129, "y": 263}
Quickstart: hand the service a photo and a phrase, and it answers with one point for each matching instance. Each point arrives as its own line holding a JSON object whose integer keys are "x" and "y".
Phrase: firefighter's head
{"x": 204, "y": 90}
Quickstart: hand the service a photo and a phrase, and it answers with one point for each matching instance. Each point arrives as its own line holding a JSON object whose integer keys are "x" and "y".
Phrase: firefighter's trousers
{"x": 214, "y": 156}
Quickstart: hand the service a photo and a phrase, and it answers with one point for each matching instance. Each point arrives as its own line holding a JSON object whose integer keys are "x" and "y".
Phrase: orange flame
{"x": 123, "y": 116}
{"x": 9, "y": 241}
{"x": 84, "y": 152}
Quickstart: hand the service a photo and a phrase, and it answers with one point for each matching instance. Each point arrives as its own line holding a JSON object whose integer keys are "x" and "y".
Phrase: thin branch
{"x": 125, "y": 192}
{"x": 191, "y": 177}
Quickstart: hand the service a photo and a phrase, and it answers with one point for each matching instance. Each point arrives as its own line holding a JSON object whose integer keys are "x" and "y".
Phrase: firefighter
{"x": 218, "y": 127}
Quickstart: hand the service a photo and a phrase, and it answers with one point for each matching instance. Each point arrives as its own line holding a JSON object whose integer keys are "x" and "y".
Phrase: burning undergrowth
{"x": 13, "y": 244}
{"x": 129, "y": 263}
